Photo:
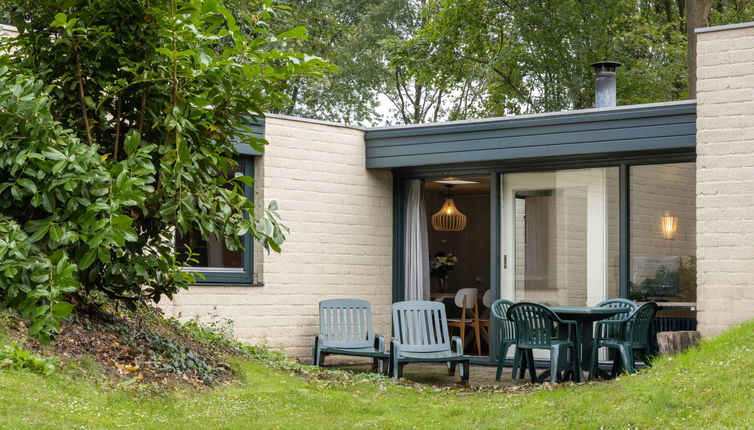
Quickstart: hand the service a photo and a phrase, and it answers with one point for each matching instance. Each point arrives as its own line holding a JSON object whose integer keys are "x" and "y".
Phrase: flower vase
{"x": 441, "y": 284}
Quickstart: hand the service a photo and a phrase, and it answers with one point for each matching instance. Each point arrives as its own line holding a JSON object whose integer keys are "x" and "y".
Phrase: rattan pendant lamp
{"x": 449, "y": 218}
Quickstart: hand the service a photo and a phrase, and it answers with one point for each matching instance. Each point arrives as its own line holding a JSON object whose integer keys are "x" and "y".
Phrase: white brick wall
{"x": 340, "y": 241}
{"x": 8, "y": 31}
{"x": 725, "y": 178}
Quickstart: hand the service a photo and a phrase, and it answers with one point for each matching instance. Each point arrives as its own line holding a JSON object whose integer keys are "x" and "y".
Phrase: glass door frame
{"x": 594, "y": 181}
{"x": 496, "y": 172}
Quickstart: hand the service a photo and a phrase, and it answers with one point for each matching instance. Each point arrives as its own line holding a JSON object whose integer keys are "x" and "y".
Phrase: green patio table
{"x": 585, "y": 316}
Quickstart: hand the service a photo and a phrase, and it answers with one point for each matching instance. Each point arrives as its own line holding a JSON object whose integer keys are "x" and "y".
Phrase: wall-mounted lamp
{"x": 669, "y": 226}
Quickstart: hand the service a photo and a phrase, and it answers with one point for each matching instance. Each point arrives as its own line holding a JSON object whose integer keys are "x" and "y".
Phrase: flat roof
{"x": 724, "y": 27}
{"x": 533, "y": 115}
{"x": 580, "y": 133}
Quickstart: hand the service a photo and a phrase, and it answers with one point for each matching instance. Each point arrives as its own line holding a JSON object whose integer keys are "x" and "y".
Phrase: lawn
{"x": 709, "y": 387}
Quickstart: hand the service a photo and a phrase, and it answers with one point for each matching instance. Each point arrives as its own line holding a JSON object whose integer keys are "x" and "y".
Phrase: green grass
{"x": 710, "y": 387}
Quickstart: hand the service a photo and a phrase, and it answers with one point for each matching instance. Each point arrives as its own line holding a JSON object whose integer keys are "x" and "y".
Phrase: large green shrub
{"x": 118, "y": 121}
{"x": 62, "y": 206}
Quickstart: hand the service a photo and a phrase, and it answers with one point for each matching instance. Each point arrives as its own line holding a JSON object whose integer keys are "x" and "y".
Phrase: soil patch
{"x": 142, "y": 346}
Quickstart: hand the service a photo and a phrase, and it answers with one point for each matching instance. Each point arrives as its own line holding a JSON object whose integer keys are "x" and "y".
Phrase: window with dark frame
{"x": 663, "y": 232}
{"x": 214, "y": 260}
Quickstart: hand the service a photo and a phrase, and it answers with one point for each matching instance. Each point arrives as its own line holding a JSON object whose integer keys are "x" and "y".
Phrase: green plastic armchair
{"x": 535, "y": 329}
{"x": 506, "y": 334}
{"x": 627, "y": 336}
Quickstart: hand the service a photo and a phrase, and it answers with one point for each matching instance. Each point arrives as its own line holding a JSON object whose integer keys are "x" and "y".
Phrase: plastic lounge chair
{"x": 420, "y": 335}
{"x": 535, "y": 329}
{"x": 345, "y": 328}
{"x": 506, "y": 335}
{"x": 632, "y": 335}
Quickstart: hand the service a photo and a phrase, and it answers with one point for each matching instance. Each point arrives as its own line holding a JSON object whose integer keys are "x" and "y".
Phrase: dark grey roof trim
{"x": 667, "y": 126}
{"x": 257, "y": 126}
{"x": 548, "y": 163}
{"x": 517, "y": 118}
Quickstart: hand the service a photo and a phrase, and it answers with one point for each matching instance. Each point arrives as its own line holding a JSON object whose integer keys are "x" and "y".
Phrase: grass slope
{"x": 710, "y": 387}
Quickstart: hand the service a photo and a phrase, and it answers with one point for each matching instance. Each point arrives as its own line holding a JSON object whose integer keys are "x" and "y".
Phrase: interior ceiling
{"x": 483, "y": 184}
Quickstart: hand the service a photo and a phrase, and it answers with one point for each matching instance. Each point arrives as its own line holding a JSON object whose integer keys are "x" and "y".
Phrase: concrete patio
{"x": 437, "y": 374}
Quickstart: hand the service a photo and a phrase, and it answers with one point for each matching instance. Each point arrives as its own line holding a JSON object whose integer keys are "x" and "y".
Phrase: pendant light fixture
{"x": 449, "y": 218}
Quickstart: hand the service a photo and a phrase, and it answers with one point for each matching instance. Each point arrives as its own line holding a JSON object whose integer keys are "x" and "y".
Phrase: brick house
{"x": 649, "y": 202}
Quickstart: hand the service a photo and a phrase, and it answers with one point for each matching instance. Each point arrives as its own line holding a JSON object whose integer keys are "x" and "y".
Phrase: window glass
{"x": 565, "y": 235}
{"x": 663, "y": 232}
{"x": 209, "y": 253}
{"x": 212, "y": 252}
{"x": 213, "y": 258}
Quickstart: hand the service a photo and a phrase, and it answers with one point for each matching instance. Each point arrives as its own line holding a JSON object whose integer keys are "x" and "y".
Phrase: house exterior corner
{"x": 725, "y": 177}
{"x": 339, "y": 243}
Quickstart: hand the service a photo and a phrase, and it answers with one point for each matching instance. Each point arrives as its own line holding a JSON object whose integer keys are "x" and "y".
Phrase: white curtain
{"x": 416, "y": 274}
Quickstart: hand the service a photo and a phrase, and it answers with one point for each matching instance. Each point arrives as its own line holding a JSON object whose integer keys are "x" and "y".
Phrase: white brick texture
{"x": 340, "y": 241}
{"x": 725, "y": 178}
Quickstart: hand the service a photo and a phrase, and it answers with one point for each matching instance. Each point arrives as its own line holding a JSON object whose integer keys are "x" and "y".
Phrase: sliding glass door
{"x": 560, "y": 236}
{"x": 554, "y": 237}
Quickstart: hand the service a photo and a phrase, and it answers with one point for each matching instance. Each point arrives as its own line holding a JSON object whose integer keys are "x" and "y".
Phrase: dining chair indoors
{"x": 466, "y": 300}
{"x": 484, "y": 317}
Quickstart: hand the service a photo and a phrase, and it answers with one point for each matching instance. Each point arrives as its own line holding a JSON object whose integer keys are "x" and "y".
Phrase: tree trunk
{"x": 668, "y": 9}
{"x": 697, "y": 16}
{"x": 294, "y": 98}
{"x": 418, "y": 117}
{"x": 671, "y": 342}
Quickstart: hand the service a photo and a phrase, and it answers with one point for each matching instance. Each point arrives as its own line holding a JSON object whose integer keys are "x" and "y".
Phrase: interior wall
{"x": 471, "y": 246}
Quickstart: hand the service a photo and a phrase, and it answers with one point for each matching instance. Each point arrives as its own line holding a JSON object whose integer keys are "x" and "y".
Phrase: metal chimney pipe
{"x": 604, "y": 96}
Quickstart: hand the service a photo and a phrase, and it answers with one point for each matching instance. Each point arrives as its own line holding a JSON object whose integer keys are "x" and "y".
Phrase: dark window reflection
{"x": 212, "y": 252}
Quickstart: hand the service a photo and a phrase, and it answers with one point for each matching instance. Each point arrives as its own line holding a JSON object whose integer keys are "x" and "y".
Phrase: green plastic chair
{"x": 345, "y": 328}
{"x": 420, "y": 335}
{"x": 612, "y": 331}
{"x": 506, "y": 334}
{"x": 605, "y": 332}
{"x": 632, "y": 336}
{"x": 535, "y": 329}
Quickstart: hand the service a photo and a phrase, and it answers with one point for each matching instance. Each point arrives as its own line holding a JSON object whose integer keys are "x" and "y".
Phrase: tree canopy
{"x": 118, "y": 125}
{"x": 351, "y": 34}
{"x": 431, "y": 60}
